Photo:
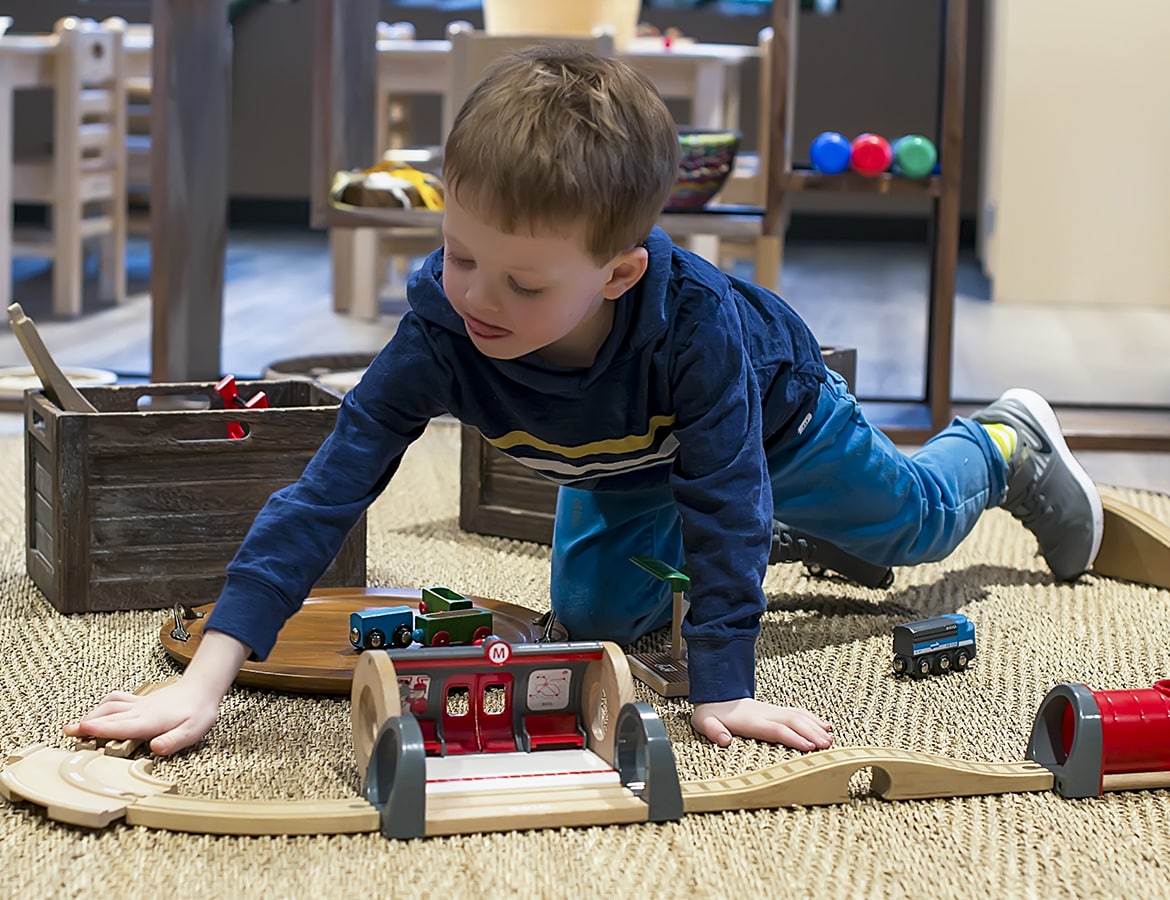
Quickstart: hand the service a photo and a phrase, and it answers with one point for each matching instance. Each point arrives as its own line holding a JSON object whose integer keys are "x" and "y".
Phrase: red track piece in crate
{"x": 226, "y": 388}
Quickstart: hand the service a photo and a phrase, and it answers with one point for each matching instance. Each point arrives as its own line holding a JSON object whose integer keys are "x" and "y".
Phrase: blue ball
{"x": 830, "y": 152}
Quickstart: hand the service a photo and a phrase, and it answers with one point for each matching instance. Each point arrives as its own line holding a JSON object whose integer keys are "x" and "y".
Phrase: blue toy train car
{"x": 386, "y": 626}
{"x": 944, "y": 643}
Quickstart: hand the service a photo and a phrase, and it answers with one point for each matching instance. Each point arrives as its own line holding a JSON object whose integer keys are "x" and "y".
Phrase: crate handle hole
{"x": 38, "y": 421}
{"x": 163, "y": 402}
{"x": 208, "y": 433}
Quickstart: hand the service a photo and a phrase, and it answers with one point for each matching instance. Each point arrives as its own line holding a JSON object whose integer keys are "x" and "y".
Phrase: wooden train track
{"x": 823, "y": 779}
{"x": 173, "y": 812}
{"x": 553, "y": 808}
{"x": 1135, "y": 546}
{"x": 89, "y": 788}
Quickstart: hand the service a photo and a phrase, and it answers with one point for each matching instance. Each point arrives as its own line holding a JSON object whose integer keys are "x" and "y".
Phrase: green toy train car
{"x": 437, "y": 598}
{"x": 455, "y": 626}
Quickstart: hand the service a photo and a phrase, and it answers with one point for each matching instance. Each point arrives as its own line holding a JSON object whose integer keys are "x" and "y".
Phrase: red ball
{"x": 871, "y": 154}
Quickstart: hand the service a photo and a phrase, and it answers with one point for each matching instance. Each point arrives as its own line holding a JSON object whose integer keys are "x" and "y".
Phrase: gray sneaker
{"x": 1047, "y": 489}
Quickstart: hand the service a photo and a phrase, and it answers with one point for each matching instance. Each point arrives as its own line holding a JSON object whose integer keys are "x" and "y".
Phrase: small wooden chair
{"x": 747, "y": 186}
{"x": 360, "y": 255}
{"x": 83, "y": 182}
{"x": 138, "y": 94}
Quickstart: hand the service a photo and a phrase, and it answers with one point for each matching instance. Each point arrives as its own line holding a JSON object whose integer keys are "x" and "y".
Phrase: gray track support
{"x": 1078, "y": 772}
{"x": 645, "y": 761}
{"x": 396, "y": 778}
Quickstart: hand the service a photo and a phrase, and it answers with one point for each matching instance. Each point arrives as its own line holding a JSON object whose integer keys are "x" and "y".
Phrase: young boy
{"x": 681, "y": 410}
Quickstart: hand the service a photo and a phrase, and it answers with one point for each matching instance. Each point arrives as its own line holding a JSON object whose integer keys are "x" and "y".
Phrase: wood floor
{"x": 870, "y": 296}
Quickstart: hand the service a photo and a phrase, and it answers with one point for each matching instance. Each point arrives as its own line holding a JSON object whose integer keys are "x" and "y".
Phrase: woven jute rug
{"x": 825, "y": 645}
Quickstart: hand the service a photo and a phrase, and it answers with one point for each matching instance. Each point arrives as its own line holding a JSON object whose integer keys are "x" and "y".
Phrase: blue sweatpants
{"x": 841, "y": 480}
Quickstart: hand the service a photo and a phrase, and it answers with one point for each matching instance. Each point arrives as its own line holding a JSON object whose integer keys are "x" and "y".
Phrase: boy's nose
{"x": 479, "y": 296}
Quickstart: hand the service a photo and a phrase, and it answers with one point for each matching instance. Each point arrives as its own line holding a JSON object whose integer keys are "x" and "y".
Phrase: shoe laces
{"x": 1027, "y": 500}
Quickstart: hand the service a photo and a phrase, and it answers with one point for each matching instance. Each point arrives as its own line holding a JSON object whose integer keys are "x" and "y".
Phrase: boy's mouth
{"x": 483, "y": 329}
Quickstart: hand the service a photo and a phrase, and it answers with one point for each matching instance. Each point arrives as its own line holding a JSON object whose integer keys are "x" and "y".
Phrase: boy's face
{"x": 524, "y": 293}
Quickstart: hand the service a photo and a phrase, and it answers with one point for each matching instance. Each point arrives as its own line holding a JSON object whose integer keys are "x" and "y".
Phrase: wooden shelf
{"x": 851, "y": 182}
{"x": 378, "y": 217}
{"x": 943, "y": 188}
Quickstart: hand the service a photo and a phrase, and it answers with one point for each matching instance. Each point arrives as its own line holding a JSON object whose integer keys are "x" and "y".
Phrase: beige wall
{"x": 1076, "y": 188}
{"x": 873, "y": 67}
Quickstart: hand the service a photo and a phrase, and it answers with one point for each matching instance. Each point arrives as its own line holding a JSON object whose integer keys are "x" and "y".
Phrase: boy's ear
{"x": 625, "y": 270}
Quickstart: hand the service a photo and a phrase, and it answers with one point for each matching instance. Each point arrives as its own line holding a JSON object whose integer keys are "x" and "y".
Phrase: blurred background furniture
{"x": 137, "y": 86}
{"x": 909, "y": 422}
{"x": 86, "y": 114}
{"x": 82, "y": 180}
{"x": 746, "y": 186}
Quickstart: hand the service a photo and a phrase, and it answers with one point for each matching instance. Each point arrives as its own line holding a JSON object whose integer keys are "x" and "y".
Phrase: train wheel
{"x": 901, "y": 665}
{"x": 422, "y": 607}
{"x": 962, "y": 660}
{"x": 441, "y": 639}
{"x": 403, "y": 636}
{"x": 815, "y": 570}
{"x": 942, "y": 663}
{"x": 481, "y": 634}
{"x": 922, "y": 667}
{"x": 375, "y": 640}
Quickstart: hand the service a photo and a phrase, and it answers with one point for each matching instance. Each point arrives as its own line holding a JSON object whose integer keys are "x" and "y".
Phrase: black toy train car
{"x": 944, "y": 643}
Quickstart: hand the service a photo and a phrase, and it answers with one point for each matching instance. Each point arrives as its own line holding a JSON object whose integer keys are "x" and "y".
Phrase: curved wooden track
{"x": 82, "y": 787}
{"x": 373, "y": 700}
{"x": 89, "y": 788}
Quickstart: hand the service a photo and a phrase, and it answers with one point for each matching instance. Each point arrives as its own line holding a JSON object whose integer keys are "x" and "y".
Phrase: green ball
{"x": 914, "y": 156}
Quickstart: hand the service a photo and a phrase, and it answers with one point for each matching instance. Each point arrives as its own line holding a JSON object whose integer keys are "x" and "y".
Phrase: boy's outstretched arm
{"x": 175, "y": 716}
{"x": 787, "y": 725}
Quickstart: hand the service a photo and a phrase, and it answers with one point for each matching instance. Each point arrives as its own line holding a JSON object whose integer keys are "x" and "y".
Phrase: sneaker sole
{"x": 1042, "y": 411}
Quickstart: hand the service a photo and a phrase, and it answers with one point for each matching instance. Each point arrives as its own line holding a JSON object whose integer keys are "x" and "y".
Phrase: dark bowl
{"x": 706, "y": 161}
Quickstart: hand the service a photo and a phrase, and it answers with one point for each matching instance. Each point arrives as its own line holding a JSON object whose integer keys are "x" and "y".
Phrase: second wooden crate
{"x": 501, "y": 497}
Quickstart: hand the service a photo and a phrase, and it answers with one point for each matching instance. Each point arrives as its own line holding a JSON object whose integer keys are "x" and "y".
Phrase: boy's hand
{"x": 174, "y": 716}
{"x": 787, "y": 725}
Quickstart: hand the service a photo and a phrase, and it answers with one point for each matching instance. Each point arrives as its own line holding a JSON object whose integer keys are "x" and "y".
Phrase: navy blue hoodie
{"x": 700, "y": 373}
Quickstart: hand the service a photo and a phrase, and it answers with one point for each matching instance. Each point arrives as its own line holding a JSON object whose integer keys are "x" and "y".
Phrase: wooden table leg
{"x": 5, "y": 186}
{"x": 189, "y": 126}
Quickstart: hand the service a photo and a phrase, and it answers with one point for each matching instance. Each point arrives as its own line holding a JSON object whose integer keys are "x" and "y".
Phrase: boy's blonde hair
{"x": 553, "y": 137}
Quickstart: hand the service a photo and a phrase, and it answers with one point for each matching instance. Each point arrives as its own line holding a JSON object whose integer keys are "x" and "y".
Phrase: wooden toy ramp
{"x": 1135, "y": 545}
{"x": 823, "y": 778}
{"x": 91, "y": 789}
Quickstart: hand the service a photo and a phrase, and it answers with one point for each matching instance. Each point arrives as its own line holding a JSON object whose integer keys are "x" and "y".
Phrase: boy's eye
{"x": 459, "y": 261}
{"x": 523, "y": 291}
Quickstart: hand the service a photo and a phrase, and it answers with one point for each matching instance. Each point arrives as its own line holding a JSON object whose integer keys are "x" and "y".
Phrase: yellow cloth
{"x": 430, "y": 189}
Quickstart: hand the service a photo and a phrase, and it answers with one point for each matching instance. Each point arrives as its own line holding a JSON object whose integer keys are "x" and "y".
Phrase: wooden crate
{"x": 501, "y": 497}
{"x": 143, "y": 504}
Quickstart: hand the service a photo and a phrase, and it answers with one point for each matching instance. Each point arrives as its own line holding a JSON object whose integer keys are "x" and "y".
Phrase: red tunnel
{"x": 1135, "y": 729}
